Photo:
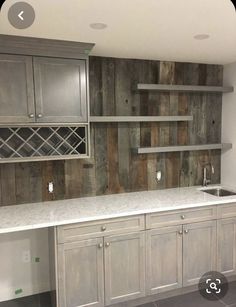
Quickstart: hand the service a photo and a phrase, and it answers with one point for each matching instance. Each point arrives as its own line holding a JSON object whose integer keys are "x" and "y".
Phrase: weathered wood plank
{"x": 112, "y": 155}
{"x": 73, "y": 178}
{"x": 101, "y": 160}
{"x": 22, "y": 175}
{"x": 8, "y": 184}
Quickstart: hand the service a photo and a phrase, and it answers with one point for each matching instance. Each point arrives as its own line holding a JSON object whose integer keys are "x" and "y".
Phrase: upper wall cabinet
{"x": 60, "y": 90}
{"x": 16, "y": 89}
{"x": 43, "y": 81}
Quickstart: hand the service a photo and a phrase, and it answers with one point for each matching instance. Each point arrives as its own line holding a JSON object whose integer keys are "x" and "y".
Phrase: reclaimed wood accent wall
{"x": 113, "y": 168}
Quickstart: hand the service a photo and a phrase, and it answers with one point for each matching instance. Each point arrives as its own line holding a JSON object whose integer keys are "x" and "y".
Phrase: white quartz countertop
{"x": 54, "y": 213}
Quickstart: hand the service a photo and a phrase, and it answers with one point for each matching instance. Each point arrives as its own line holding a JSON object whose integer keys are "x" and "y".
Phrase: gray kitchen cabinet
{"x": 60, "y": 90}
{"x": 16, "y": 89}
{"x": 124, "y": 267}
{"x": 226, "y": 242}
{"x": 164, "y": 259}
{"x": 80, "y": 273}
{"x": 199, "y": 251}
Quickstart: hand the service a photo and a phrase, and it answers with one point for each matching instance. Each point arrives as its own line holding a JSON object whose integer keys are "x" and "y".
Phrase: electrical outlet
{"x": 158, "y": 175}
{"x": 50, "y": 187}
{"x": 26, "y": 256}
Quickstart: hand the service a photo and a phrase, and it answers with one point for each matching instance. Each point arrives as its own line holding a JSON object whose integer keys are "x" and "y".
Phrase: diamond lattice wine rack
{"x": 24, "y": 144}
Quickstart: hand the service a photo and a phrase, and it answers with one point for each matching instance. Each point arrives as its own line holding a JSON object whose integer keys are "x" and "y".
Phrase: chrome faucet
{"x": 205, "y": 180}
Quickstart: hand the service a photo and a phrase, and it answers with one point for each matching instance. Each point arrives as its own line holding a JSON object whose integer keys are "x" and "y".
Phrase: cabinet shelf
{"x": 148, "y": 150}
{"x": 123, "y": 119}
{"x": 184, "y": 88}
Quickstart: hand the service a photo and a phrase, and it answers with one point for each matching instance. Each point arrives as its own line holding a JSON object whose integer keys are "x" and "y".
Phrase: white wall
{"x": 31, "y": 277}
{"x": 228, "y": 166}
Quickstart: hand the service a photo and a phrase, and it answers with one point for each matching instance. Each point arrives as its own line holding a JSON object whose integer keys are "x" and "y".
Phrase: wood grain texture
{"x": 113, "y": 167}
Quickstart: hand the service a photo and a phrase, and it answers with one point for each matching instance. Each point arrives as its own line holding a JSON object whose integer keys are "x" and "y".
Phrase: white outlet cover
{"x": 158, "y": 175}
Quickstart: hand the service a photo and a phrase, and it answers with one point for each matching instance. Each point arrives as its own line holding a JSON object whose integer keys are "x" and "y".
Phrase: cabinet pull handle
{"x": 186, "y": 231}
{"x": 100, "y": 245}
{"x": 103, "y": 228}
{"x": 180, "y": 232}
{"x": 107, "y": 244}
{"x": 40, "y": 115}
{"x": 31, "y": 115}
{"x": 182, "y": 217}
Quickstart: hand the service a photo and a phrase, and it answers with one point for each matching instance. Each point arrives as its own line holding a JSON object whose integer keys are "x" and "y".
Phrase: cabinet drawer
{"x": 75, "y": 232}
{"x": 180, "y": 217}
{"x": 225, "y": 211}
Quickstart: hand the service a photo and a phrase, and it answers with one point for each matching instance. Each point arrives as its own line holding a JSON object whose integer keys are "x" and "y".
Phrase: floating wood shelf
{"x": 120, "y": 119}
{"x": 184, "y": 88}
{"x": 147, "y": 150}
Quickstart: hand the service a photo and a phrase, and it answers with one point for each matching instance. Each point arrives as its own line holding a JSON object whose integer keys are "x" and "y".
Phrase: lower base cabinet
{"x": 164, "y": 259}
{"x": 80, "y": 274}
{"x": 116, "y": 264}
{"x": 124, "y": 267}
{"x": 178, "y": 256}
{"x": 199, "y": 251}
{"x": 101, "y": 271}
{"x": 227, "y": 246}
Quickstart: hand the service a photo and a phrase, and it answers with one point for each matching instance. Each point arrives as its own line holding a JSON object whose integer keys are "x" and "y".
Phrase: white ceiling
{"x": 144, "y": 29}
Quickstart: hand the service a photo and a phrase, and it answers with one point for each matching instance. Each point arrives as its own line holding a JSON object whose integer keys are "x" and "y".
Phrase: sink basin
{"x": 219, "y": 192}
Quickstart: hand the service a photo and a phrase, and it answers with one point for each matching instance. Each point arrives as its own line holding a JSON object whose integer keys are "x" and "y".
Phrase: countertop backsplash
{"x": 113, "y": 167}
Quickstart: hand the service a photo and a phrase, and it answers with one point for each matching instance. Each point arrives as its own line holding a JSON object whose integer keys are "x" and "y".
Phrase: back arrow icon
{"x": 20, "y": 15}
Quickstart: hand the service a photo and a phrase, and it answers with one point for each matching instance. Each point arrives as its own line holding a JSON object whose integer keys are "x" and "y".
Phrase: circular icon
{"x": 21, "y": 15}
{"x": 213, "y": 286}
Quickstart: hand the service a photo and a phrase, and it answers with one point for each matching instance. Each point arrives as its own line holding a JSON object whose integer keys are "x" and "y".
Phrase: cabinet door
{"x": 61, "y": 90}
{"x": 164, "y": 259}
{"x": 16, "y": 89}
{"x": 227, "y": 246}
{"x": 199, "y": 251}
{"x": 80, "y": 274}
{"x": 124, "y": 267}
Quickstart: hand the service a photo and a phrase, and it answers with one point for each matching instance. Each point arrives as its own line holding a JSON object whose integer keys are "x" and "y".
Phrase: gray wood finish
{"x": 164, "y": 259}
{"x": 124, "y": 119}
{"x": 16, "y": 93}
{"x": 199, "y": 251}
{"x": 60, "y": 90}
{"x": 80, "y": 274}
{"x": 226, "y": 260}
{"x": 179, "y": 217}
{"x": 79, "y": 231}
{"x": 146, "y": 150}
{"x": 124, "y": 267}
{"x": 43, "y": 47}
{"x": 185, "y": 88}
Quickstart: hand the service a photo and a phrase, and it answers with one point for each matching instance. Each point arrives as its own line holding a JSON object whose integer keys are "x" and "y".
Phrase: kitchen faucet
{"x": 205, "y": 180}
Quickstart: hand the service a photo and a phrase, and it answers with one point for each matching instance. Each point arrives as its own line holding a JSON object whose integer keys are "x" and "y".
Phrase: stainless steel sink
{"x": 219, "y": 192}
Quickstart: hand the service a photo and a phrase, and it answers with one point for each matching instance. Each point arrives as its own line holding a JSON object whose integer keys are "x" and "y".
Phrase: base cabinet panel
{"x": 199, "y": 251}
{"x": 80, "y": 274}
{"x": 124, "y": 267}
{"x": 164, "y": 259}
{"x": 227, "y": 246}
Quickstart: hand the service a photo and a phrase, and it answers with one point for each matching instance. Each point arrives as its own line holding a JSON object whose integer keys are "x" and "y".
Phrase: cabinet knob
{"x": 107, "y": 244}
{"x": 186, "y": 231}
{"x": 103, "y": 228}
{"x": 40, "y": 115}
{"x": 182, "y": 217}
{"x": 100, "y": 245}
{"x": 180, "y": 232}
{"x": 31, "y": 115}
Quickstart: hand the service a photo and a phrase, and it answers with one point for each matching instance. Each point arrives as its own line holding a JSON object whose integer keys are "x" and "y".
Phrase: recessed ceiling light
{"x": 98, "y": 26}
{"x": 201, "y": 36}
